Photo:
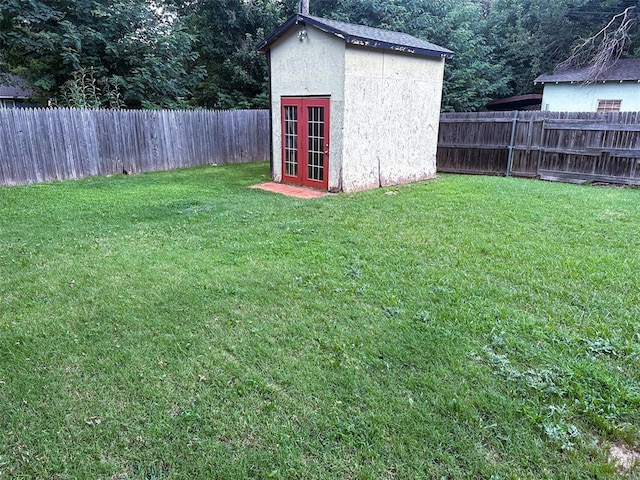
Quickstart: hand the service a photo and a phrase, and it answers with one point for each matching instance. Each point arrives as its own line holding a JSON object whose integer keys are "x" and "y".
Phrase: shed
{"x": 614, "y": 88}
{"x": 352, "y": 107}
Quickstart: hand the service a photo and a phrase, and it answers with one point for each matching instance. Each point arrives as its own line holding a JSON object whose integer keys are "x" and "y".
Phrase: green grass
{"x": 181, "y": 325}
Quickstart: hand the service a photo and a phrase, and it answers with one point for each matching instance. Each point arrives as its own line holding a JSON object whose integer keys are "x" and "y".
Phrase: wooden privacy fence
{"x": 40, "y": 145}
{"x": 562, "y": 146}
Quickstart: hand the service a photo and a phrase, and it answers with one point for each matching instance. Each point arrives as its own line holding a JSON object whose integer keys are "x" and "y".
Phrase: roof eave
{"x": 263, "y": 47}
{"x": 576, "y": 80}
{"x": 365, "y": 42}
{"x": 349, "y": 39}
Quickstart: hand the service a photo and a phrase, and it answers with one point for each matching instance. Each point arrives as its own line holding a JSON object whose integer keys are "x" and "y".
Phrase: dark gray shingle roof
{"x": 627, "y": 69}
{"x": 361, "y": 35}
{"x": 14, "y": 87}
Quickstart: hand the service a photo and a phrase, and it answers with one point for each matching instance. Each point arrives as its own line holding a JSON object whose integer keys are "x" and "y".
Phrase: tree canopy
{"x": 86, "y": 52}
{"x": 201, "y": 53}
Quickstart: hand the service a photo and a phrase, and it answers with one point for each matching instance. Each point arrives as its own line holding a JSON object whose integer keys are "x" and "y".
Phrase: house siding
{"x": 312, "y": 67}
{"x": 391, "y": 114}
{"x": 567, "y": 97}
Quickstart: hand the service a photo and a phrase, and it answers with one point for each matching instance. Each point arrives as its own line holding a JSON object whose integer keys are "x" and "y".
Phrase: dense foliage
{"x": 99, "y": 52}
{"x": 201, "y": 53}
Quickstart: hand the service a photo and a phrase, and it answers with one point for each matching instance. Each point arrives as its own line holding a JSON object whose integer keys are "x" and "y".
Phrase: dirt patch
{"x": 624, "y": 458}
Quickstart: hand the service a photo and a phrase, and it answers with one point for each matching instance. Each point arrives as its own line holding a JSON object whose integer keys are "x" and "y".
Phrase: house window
{"x": 605, "y": 106}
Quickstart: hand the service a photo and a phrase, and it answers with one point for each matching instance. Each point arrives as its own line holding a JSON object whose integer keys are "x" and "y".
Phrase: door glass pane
{"x": 291, "y": 141}
{"x": 315, "y": 159}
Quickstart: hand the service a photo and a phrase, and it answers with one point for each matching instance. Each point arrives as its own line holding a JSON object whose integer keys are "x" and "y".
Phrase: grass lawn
{"x": 180, "y": 325}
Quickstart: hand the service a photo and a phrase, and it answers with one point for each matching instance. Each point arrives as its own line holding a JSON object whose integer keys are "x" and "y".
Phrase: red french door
{"x": 305, "y": 141}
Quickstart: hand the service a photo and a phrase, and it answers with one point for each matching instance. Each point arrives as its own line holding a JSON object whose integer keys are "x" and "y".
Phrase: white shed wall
{"x": 315, "y": 67}
{"x": 391, "y": 118}
{"x": 567, "y": 97}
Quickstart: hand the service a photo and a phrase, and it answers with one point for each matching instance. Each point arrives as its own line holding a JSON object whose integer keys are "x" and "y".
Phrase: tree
{"x": 474, "y": 76}
{"x": 228, "y": 33}
{"x": 500, "y": 46}
{"x": 175, "y": 53}
{"x": 141, "y": 47}
{"x": 605, "y": 47}
{"x": 534, "y": 36}
{"x": 530, "y": 37}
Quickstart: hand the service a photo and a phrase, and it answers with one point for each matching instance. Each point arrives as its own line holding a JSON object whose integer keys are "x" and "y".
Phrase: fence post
{"x": 514, "y": 125}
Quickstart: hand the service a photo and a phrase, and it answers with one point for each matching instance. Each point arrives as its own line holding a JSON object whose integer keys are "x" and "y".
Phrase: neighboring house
{"x": 353, "y": 107}
{"x": 571, "y": 89}
{"x": 14, "y": 92}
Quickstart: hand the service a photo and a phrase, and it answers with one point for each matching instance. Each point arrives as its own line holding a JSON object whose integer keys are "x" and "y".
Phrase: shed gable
{"x": 360, "y": 35}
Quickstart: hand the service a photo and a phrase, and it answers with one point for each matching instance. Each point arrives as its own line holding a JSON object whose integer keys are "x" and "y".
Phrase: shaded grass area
{"x": 182, "y": 325}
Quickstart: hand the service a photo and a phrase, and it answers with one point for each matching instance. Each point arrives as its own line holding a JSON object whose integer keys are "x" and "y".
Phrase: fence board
{"x": 40, "y": 145}
{"x": 553, "y": 145}
{"x": 581, "y": 125}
